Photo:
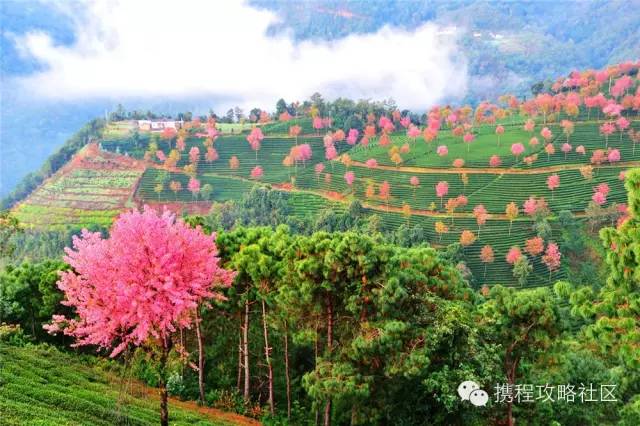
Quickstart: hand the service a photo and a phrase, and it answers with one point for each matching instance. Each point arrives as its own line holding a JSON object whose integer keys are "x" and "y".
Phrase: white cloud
{"x": 154, "y": 49}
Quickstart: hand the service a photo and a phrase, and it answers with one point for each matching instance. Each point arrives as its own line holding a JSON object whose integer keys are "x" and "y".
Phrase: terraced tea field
{"x": 91, "y": 192}
{"x": 92, "y": 189}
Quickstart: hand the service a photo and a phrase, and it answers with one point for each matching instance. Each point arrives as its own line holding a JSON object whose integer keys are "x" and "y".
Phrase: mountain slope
{"x": 40, "y": 385}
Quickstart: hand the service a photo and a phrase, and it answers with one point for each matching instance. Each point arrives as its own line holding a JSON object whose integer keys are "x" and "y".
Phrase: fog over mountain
{"x": 66, "y": 62}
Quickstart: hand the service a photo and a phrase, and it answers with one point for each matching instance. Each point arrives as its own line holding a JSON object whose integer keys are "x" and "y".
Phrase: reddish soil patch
{"x": 177, "y": 207}
{"x": 140, "y": 390}
{"x": 333, "y": 195}
{"x": 282, "y": 186}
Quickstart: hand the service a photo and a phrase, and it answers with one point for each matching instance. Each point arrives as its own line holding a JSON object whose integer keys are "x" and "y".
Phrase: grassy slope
{"x": 43, "y": 386}
{"x": 492, "y": 187}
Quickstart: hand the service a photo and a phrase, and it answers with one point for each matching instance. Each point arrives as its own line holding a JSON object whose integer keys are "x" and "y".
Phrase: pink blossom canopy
{"x": 349, "y": 177}
{"x": 495, "y": 161}
{"x": 599, "y": 198}
{"x": 352, "y": 137}
{"x": 141, "y": 283}
{"x": 193, "y": 185}
{"x": 613, "y": 156}
{"x": 517, "y": 149}
{"x": 442, "y": 188}
{"x": 413, "y": 132}
{"x": 513, "y": 255}
{"x": 257, "y": 172}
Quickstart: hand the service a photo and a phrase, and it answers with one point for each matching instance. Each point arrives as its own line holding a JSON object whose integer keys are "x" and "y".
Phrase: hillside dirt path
{"x": 139, "y": 389}
{"x": 494, "y": 171}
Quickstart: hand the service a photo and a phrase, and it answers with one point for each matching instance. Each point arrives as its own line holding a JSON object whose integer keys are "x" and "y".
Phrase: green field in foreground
{"x": 42, "y": 386}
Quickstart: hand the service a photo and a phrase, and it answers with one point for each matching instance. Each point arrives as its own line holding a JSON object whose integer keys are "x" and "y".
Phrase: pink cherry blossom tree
{"x": 622, "y": 124}
{"x": 513, "y": 255}
{"x": 613, "y": 156}
{"x": 581, "y": 150}
{"x": 550, "y": 150}
{"x": 257, "y": 172}
{"x": 567, "y": 128}
{"x": 349, "y": 177}
{"x": 517, "y": 149}
{"x": 318, "y": 168}
{"x": 442, "y": 189}
{"x": 371, "y": 163}
{"x": 255, "y": 138}
{"x": 553, "y": 182}
{"x": 194, "y": 187}
{"x": 317, "y": 124}
{"x": 468, "y": 138}
{"x": 499, "y": 132}
{"x": 294, "y": 131}
{"x": 352, "y": 137}
{"x": 599, "y": 198}
{"x": 481, "y": 215}
{"x": 529, "y": 126}
{"x": 442, "y": 150}
{"x": 495, "y": 161}
{"x": 413, "y": 132}
{"x": 194, "y": 154}
{"x": 415, "y": 183}
{"x": 606, "y": 130}
{"x": 602, "y": 188}
{"x": 211, "y": 155}
{"x": 139, "y": 285}
{"x": 551, "y": 257}
{"x": 385, "y": 192}
{"x": 331, "y": 154}
{"x": 566, "y": 149}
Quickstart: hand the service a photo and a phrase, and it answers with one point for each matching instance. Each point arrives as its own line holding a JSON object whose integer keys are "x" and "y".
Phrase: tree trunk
{"x": 239, "y": 382}
{"x": 315, "y": 365}
{"x": 327, "y": 407}
{"x": 200, "y": 358}
{"x": 267, "y": 356}
{"x": 286, "y": 368}
{"x": 33, "y": 322}
{"x": 245, "y": 350}
{"x": 164, "y": 393}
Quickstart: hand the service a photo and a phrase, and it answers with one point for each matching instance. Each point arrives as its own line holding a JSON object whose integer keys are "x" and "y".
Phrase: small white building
{"x": 158, "y": 125}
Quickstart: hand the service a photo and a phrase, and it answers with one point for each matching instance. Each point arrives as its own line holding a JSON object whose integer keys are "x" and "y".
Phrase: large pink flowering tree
{"x": 139, "y": 286}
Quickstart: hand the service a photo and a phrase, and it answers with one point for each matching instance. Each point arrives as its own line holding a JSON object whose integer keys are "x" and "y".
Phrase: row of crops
{"x": 80, "y": 196}
{"x": 494, "y": 191}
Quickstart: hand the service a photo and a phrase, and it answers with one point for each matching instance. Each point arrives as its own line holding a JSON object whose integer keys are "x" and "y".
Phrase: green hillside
{"x": 39, "y": 385}
{"x": 493, "y": 187}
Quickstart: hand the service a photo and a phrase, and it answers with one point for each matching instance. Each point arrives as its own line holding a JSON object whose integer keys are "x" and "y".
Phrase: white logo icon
{"x": 465, "y": 388}
{"x": 470, "y": 391}
{"x": 479, "y": 398}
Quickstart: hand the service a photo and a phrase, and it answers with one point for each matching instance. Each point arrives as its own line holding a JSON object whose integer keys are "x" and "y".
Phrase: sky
{"x": 65, "y": 62}
{"x": 152, "y": 49}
